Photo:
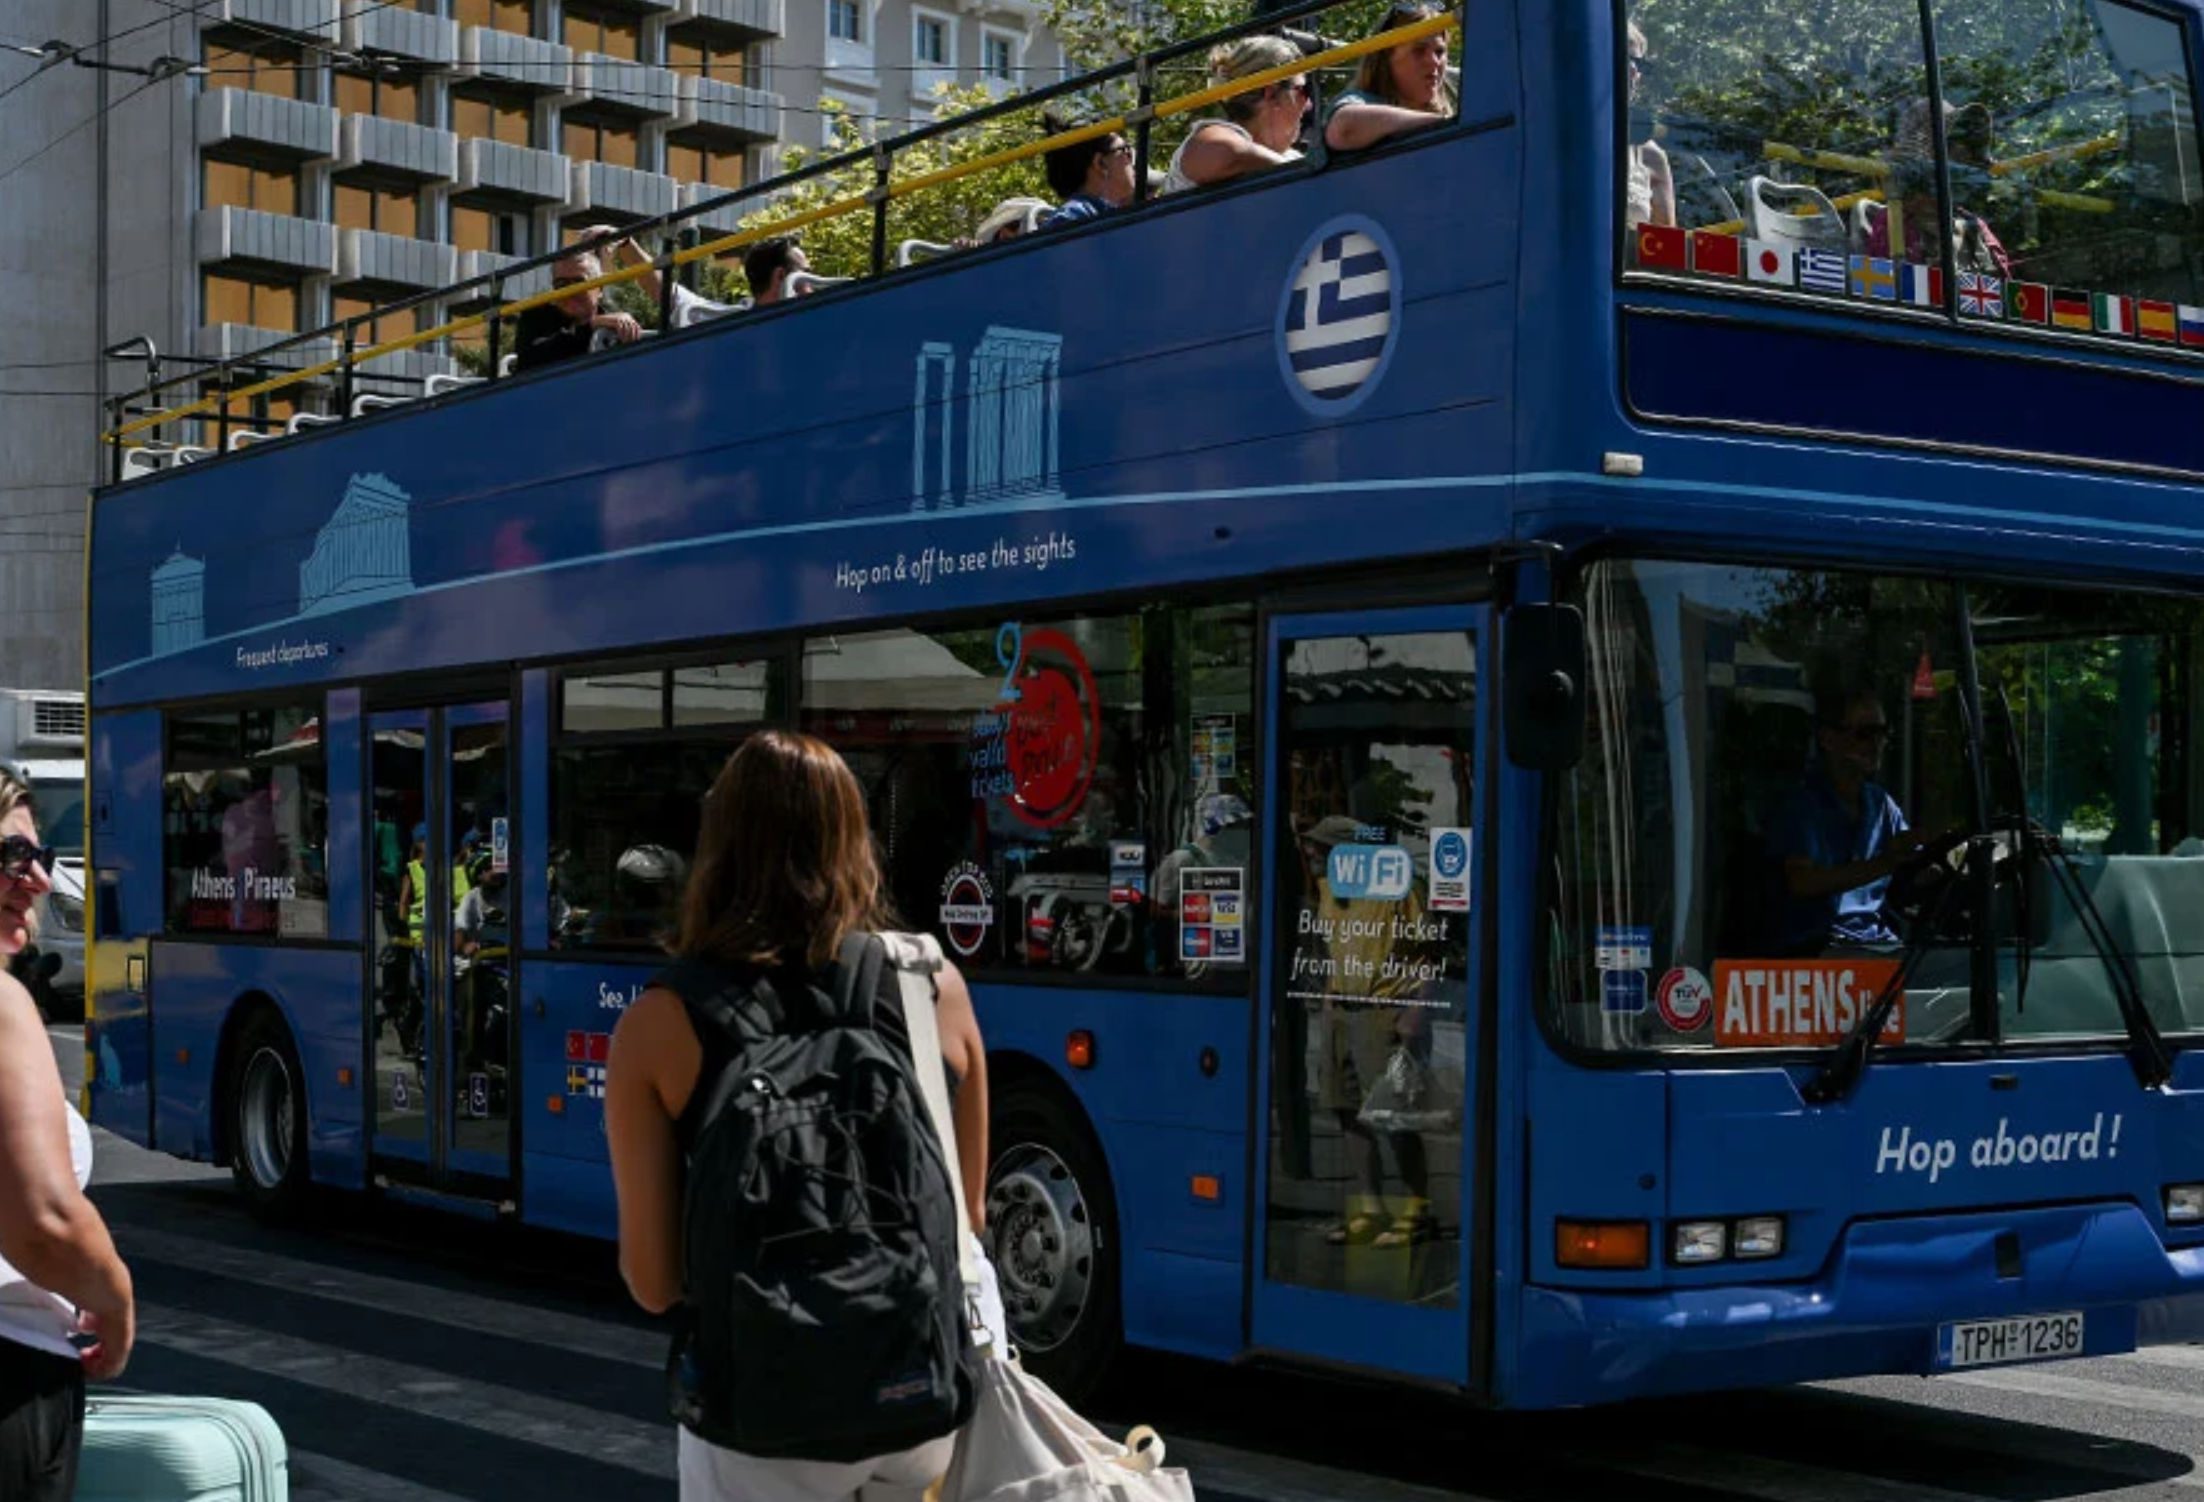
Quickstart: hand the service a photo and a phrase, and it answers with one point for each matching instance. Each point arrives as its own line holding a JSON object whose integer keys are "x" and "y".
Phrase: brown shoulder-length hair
{"x": 785, "y": 867}
{"x": 1374, "y": 76}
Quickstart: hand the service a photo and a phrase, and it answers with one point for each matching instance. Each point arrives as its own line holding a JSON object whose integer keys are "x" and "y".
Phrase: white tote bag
{"x": 1023, "y": 1443}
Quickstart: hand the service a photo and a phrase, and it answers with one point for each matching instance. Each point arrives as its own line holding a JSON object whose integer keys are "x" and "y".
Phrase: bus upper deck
{"x": 1183, "y": 588}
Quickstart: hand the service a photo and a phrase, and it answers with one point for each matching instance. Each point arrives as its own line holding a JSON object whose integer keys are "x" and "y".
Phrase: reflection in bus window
{"x": 1775, "y": 769}
{"x": 1041, "y": 788}
{"x": 245, "y": 822}
{"x": 1803, "y": 146}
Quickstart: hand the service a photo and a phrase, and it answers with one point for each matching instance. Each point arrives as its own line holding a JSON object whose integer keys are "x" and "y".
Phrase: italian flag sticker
{"x": 2114, "y": 314}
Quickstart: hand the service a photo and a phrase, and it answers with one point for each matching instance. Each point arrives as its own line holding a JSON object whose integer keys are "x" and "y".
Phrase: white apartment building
{"x": 326, "y": 157}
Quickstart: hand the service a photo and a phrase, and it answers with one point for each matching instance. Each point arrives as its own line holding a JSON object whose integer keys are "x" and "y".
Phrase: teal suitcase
{"x": 181, "y": 1450}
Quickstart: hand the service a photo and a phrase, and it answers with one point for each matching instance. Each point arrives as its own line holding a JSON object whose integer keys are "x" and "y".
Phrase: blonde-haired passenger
{"x": 1401, "y": 89}
{"x": 1259, "y": 127}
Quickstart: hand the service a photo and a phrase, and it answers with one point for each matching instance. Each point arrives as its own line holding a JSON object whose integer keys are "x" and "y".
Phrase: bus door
{"x": 1367, "y": 980}
{"x": 440, "y": 1025}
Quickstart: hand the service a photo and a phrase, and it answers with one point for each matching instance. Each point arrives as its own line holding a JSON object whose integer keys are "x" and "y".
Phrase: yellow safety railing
{"x": 1183, "y": 104}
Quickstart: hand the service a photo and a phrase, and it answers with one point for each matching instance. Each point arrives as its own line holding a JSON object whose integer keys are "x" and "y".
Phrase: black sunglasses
{"x": 19, "y": 853}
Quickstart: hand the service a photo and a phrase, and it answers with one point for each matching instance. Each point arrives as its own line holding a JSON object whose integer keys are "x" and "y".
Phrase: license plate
{"x": 1987, "y": 1342}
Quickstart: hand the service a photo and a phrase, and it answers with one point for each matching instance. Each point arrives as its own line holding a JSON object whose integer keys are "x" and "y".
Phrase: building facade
{"x": 328, "y": 157}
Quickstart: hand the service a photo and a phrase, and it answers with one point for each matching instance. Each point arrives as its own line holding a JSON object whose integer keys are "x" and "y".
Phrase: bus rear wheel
{"x": 1052, "y": 1234}
{"x": 267, "y": 1099}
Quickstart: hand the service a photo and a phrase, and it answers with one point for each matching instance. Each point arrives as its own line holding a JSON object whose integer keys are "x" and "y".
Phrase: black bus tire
{"x": 265, "y": 1097}
{"x": 1052, "y": 1234}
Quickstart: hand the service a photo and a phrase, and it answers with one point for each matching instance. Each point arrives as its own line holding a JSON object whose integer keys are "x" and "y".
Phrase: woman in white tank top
{"x": 1259, "y": 127}
{"x": 66, "y": 1310}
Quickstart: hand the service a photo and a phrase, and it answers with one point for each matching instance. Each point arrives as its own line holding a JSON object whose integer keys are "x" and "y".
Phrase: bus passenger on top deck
{"x": 768, "y": 265}
{"x": 1652, "y": 197}
{"x": 1396, "y": 91}
{"x": 1839, "y": 837}
{"x": 576, "y": 324}
{"x": 1259, "y": 127}
{"x": 1912, "y": 192}
{"x": 1092, "y": 177}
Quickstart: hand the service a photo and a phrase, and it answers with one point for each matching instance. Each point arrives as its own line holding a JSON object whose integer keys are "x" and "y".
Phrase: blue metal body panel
{"x": 755, "y": 476}
{"x": 124, "y": 910}
{"x": 195, "y": 988}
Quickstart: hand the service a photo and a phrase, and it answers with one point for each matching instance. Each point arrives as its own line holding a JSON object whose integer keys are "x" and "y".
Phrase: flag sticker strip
{"x": 1715, "y": 254}
{"x": 1822, "y": 270}
{"x": 1981, "y": 295}
{"x": 1769, "y": 262}
{"x": 1873, "y": 278}
{"x": 2192, "y": 325}
{"x": 2154, "y": 320}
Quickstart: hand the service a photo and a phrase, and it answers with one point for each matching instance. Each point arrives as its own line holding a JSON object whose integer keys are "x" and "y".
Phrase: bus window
{"x": 1039, "y": 785}
{"x": 1777, "y": 757}
{"x": 245, "y": 821}
{"x": 635, "y": 754}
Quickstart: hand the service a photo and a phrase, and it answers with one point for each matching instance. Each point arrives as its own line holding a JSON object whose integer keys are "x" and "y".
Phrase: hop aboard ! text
{"x": 1900, "y": 1151}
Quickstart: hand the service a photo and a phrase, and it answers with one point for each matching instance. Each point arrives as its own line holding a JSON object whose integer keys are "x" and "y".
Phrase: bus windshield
{"x": 1776, "y": 766}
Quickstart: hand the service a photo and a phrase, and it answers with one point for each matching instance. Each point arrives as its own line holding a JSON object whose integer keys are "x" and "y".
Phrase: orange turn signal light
{"x": 555, "y": 1104}
{"x": 344, "y": 1078}
{"x": 1079, "y": 1049}
{"x": 1603, "y": 1243}
{"x": 183, "y": 1056}
{"x": 1207, "y": 1186}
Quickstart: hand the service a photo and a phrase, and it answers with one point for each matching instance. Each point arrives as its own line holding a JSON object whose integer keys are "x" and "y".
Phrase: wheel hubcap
{"x": 1043, "y": 1245}
{"x": 264, "y": 1118}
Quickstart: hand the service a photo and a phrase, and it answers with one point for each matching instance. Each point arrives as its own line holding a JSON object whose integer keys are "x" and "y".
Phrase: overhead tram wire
{"x": 93, "y": 118}
{"x": 288, "y": 38}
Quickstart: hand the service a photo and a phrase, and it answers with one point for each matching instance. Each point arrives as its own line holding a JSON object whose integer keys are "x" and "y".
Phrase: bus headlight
{"x": 2184, "y": 1204}
{"x": 1698, "y": 1241}
{"x": 1759, "y": 1236}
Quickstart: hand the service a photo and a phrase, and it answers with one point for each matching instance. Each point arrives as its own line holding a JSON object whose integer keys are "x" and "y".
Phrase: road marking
{"x": 2086, "y": 1390}
{"x": 489, "y": 1407}
{"x": 1772, "y": 1480}
{"x": 602, "y": 1339}
{"x": 324, "y": 1478}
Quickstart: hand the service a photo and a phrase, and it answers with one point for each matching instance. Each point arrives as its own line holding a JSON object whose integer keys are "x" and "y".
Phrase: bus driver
{"x": 1839, "y": 837}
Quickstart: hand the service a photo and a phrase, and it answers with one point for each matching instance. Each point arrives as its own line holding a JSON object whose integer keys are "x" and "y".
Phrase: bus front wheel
{"x": 1052, "y": 1234}
{"x": 267, "y": 1099}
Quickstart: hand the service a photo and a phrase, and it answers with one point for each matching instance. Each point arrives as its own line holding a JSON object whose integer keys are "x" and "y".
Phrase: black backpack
{"x": 824, "y": 1314}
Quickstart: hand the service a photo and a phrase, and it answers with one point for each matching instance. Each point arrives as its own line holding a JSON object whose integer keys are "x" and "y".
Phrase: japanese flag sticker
{"x": 1685, "y": 999}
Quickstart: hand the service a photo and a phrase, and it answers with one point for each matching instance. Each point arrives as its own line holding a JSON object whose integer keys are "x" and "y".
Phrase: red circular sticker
{"x": 1054, "y": 731}
{"x": 1685, "y": 999}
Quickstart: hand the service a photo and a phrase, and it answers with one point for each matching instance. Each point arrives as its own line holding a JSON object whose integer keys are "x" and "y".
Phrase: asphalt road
{"x": 414, "y": 1357}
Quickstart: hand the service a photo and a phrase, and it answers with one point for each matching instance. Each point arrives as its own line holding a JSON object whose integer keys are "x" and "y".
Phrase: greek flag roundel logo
{"x": 1340, "y": 316}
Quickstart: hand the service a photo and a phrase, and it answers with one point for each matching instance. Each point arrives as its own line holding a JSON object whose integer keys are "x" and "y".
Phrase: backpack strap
{"x": 917, "y": 959}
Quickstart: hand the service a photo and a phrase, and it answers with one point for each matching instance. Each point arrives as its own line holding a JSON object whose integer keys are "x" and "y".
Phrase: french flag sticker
{"x": 1922, "y": 286}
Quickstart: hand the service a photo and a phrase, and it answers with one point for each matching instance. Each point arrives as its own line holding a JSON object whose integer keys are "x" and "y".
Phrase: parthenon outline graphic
{"x": 1012, "y": 408}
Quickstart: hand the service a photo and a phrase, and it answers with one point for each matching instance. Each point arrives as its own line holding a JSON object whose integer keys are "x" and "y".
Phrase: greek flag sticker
{"x": 1340, "y": 316}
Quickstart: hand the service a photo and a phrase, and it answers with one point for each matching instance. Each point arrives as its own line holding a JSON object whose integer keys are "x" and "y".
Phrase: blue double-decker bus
{"x": 1567, "y": 752}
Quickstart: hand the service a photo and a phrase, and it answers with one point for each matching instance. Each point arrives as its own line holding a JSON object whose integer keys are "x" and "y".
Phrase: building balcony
{"x": 509, "y": 171}
{"x": 709, "y": 104}
{"x": 238, "y": 117}
{"x": 474, "y": 263}
{"x": 250, "y": 236}
{"x": 599, "y": 186}
{"x": 237, "y": 341}
{"x": 397, "y": 146}
{"x": 634, "y": 88}
{"x": 720, "y": 221}
{"x": 546, "y": 67}
{"x": 366, "y": 255}
{"x": 762, "y": 18}
{"x": 401, "y": 33}
{"x": 314, "y": 19}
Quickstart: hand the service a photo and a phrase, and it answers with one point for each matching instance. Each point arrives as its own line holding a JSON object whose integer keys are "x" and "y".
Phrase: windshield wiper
{"x": 2147, "y": 1050}
{"x": 1847, "y": 1061}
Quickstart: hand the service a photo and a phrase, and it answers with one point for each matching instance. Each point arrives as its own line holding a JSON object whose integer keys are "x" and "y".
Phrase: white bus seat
{"x": 439, "y": 384}
{"x": 505, "y": 365}
{"x": 702, "y": 311}
{"x": 368, "y": 401}
{"x": 245, "y": 437}
{"x": 311, "y": 420}
{"x": 1793, "y": 214}
{"x": 192, "y": 453}
{"x": 800, "y": 282}
{"x": 915, "y": 250}
{"x": 146, "y": 459}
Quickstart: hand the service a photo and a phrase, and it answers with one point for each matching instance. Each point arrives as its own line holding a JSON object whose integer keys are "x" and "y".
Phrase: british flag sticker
{"x": 1340, "y": 316}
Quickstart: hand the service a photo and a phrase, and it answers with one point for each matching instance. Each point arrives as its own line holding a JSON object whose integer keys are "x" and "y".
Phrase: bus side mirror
{"x": 1542, "y": 672}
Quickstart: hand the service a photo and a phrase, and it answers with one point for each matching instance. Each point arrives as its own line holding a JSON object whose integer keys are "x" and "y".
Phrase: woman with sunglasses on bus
{"x": 66, "y": 1307}
{"x": 1401, "y": 89}
{"x": 1259, "y": 127}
